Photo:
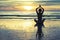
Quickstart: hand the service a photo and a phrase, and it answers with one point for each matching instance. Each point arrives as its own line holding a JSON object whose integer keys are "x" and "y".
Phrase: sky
{"x": 29, "y": 6}
{"x": 29, "y": 0}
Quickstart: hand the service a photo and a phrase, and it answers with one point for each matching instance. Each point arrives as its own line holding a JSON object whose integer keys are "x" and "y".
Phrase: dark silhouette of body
{"x": 39, "y": 11}
{"x": 39, "y": 22}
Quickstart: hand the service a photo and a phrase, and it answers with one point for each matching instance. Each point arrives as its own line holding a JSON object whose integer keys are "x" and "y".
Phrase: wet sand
{"x": 19, "y": 29}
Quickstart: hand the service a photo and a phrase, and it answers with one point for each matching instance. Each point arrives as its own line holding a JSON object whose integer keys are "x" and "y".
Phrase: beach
{"x": 23, "y": 29}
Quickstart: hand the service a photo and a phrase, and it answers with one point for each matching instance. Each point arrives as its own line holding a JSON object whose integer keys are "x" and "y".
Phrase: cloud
{"x": 3, "y": 0}
{"x": 29, "y": 0}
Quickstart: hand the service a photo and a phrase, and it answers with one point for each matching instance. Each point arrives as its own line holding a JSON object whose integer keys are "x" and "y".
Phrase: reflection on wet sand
{"x": 20, "y": 29}
{"x": 17, "y": 24}
{"x": 16, "y": 29}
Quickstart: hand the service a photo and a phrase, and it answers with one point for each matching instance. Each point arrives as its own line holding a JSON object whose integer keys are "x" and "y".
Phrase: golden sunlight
{"x": 28, "y": 7}
{"x": 20, "y": 0}
{"x": 27, "y": 23}
{"x": 28, "y": 26}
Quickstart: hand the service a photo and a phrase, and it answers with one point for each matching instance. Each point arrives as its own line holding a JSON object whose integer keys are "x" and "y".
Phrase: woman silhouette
{"x": 39, "y": 22}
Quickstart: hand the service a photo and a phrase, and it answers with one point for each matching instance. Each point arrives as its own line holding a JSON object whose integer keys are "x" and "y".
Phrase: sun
{"x": 28, "y": 7}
